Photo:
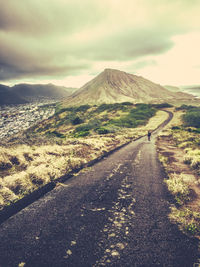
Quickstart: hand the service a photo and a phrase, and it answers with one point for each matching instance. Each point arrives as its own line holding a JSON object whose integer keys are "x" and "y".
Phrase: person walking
{"x": 149, "y": 135}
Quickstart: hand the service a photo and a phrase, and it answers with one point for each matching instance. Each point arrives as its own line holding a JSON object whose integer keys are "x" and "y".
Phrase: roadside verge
{"x": 182, "y": 179}
{"x": 20, "y": 204}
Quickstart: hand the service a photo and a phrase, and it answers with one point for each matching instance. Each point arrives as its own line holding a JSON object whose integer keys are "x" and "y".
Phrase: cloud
{"x": 58, "y": 38}
{"x": 35, "y": 17}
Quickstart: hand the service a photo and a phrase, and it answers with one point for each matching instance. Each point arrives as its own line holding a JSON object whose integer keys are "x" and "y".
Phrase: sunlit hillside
{"x": 68, "y": 141}
{"x": 112, "y": 86}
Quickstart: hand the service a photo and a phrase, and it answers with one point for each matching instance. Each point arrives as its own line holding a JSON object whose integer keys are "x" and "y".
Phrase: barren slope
{"x": 113, "y": 86}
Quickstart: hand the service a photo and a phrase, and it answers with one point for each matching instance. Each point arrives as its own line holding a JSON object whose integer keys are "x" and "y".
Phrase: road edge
{"x": 14, "y": 208}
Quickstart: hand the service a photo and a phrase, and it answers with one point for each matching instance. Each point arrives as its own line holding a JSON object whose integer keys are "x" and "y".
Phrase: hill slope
{"x": 172, "y": 88}
{"x": 33, "y": 91}
{"x": 113, "y": 86}
{"x": 9, "y": 97}
{"x": 194, "y": 90}
{"x": 23, "y": 93}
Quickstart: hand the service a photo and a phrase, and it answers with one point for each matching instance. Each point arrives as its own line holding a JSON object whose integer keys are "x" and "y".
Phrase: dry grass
{"x": 179, "y": 186}
{"x": 37, "y": 166}
{"x": 187, "y": 218}
{"x": 25, "y": 168}
{"x": 189, "y": 142}
{"x": 192, "y": 157}
{"x": 180, "y": 156}
{"x": 176, "y": 121}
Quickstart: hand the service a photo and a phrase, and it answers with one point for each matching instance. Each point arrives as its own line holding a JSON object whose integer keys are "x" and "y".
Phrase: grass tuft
{"x": 178, "y": 186}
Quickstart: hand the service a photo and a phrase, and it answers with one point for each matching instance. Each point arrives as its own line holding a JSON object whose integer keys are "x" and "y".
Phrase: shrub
{"x": 188, "y": 220}
{"x": 102, "y": 131}
{"x": 83, "y": 128}
{"x": 197, "y": 130}
{"x": 92, "y": 125}
{"x": 192, "y": 118}
{"x": 5, "y": 166}
{"x": 77, "y": 120}
{"x": 127, "y": 103}
{"x": 82, "y": 108}
{"x": 192, "y": 228}
{"x": 81, "y": 134}
{"x": 176, "y": 128}
{"x": 185, "y": 107}
{"x": 137, "y": 116}
{"x": 56, "y": 134}
{"x": 162, "y": 105}
{"x": 115, "y": 106}
{"x": 14, "y": 160}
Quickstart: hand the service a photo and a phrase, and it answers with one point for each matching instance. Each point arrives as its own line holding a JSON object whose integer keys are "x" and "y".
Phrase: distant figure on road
{"x": 149, "y": 135}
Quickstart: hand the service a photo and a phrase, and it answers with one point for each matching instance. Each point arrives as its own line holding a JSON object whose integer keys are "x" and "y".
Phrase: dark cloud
{"x": 33, "y": 17}
{"x": 8, "y": 72}
{"x": 128, "y": 45}
{"x": 55, "y": 38}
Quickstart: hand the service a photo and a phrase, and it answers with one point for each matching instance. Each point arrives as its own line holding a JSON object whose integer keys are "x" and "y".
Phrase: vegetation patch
{"x": 137, "y": 116}
{"x": 180, "y": 154}
{"x": 187, "y": 219}
{"x": 66, "y": 141}
{"x": 86, "y": 120}
{"x": 192, "y": 117}
{"x": 178, "y": 185}
{"x": 102, "y": 130}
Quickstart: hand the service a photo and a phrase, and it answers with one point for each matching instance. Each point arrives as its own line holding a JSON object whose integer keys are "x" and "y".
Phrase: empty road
{"x": 112, "y": 214}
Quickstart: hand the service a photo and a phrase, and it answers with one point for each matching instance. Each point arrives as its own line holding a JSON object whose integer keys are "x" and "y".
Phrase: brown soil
{"x": 175, "y": 164}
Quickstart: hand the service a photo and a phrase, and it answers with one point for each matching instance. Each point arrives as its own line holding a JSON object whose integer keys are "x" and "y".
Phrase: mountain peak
{"x": 109, "y": 70}
{"x": 113, "y": 75}
{"x": 113, "y": 86}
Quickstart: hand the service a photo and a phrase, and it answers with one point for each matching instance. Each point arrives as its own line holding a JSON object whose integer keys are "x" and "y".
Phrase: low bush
{"x": 55, "y": 134}
{"x": 197, "y": 130}
{"x": 178, "y": 186}
{"x": 137, "y": 116}
{"x": 176, "y": 128}
{"x": 5, "y": 166}
{"x": 76, "y": 120}
{"x": 185, "y": 107}
{"x": 187, "y": 219}
{"x": 83, "y": 128}
{"x": 81, "y": 133}
{"x": 102, "y": 131}
{"x": 192, "y": 118}
{"x": 162, "y": 105}
{"x": 82, "y": 108}
{"x": 115, "y": 106}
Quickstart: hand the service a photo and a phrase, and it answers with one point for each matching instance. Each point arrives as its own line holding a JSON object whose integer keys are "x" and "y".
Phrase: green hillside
{"x": 87, "y": 120}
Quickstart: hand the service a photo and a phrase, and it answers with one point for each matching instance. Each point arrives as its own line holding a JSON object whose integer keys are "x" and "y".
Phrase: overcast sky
{"x": 68, "y": 42}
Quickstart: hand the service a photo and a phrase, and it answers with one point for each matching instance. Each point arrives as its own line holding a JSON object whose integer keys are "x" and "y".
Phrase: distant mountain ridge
{"x": 172, "y": 88}
{"x": 193, "y": 89}
{"x": 113, "y": 86}
{"x": 24, "y": 93}
{"x": 8, "y": 97}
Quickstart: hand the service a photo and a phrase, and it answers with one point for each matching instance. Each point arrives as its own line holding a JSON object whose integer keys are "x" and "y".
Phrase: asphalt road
{"x": 112, "y": 214}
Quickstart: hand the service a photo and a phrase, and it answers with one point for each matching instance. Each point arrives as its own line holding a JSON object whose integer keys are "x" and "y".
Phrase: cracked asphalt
{"x": 112, "y": 214}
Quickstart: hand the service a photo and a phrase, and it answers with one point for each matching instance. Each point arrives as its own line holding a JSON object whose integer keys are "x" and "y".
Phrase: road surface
{"x": 112, "y": 214}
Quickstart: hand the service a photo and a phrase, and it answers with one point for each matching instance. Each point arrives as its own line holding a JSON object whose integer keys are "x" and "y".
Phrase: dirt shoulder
{"x": 182, "y": 180}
